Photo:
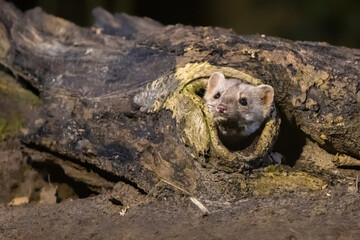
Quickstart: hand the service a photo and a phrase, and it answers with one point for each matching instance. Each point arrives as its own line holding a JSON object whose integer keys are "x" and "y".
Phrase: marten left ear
{"x": 215, "y": 79}
{"x": 266, "y": 94}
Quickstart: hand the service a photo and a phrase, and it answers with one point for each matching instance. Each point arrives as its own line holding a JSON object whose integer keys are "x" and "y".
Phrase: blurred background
{"x": 333, "y": 21}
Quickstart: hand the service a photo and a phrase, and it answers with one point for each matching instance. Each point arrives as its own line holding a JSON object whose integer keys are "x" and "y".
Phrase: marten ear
{"x": 214, "y": 80}
{"x": 266, "y": 94}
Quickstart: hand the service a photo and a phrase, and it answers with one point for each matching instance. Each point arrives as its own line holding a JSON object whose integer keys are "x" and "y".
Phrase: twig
{"x": 200, "y": 205}
{"x": 194, "y": 200}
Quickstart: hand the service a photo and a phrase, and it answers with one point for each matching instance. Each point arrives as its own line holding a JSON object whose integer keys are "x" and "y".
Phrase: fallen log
{"x": 124, "y": 98}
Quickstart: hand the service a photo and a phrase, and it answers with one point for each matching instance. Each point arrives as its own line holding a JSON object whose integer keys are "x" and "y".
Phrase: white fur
{"x": 249, "y": 117}
{"x": 250, "y": 129}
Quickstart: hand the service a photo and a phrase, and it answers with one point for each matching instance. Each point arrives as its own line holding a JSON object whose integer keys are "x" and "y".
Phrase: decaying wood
{"x": 124, "y": 97}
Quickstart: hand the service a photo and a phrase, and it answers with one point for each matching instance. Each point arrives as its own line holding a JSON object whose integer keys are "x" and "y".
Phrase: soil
{"x": 329, "y": 214}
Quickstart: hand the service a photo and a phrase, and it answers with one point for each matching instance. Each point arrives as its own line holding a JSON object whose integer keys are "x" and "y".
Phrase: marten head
{"x": 238, "y": 109}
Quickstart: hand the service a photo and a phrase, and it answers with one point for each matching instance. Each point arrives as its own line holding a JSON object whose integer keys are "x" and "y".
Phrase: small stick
{"x": 357, "y": 183}
{"x": 194, "y": 200}
{"x": 200, "y": 205}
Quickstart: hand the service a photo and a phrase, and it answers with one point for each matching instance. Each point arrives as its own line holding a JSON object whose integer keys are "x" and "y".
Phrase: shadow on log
{"x": 122, "y": 101}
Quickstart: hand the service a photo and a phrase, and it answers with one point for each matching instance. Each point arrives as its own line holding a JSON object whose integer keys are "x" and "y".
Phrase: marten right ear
{"x": 266, "y": 95}
{"x": 214, "y": 80}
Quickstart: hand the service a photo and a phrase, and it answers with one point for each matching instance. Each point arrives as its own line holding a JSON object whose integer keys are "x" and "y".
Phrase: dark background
{"x": 333, "y": 21}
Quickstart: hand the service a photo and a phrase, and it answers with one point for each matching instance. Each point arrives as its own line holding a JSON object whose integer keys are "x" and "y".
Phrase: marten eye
{"x": 216, "y": 96}
{"x": 243, "y": 101}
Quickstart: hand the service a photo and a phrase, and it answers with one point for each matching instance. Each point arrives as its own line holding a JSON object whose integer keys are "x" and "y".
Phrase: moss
{"x": 9, "y": 87}
{"x": 18, "y": 101}
{"x": 11, "y": 127}
{"x": 272, "y": 168}
{"x": 2, "y": 128}
{"x": 4, "y": 42}
{"x": 276, "y": 179}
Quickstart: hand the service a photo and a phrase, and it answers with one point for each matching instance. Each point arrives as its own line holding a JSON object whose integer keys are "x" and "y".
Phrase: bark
{"x": 123, "y": 99}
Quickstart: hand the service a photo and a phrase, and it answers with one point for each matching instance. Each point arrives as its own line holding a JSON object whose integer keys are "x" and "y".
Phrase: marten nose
{"x": 221, "y": 108}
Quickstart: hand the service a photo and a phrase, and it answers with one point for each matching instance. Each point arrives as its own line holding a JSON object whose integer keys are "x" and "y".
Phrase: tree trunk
{"x": 122, "y": 100}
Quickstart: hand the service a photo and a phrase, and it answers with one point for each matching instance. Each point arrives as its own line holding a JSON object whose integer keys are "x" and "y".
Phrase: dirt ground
{"x": 325, "y": 214}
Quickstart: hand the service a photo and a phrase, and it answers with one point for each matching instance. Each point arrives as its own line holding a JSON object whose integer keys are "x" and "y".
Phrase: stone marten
{"x": 238, "y": 109}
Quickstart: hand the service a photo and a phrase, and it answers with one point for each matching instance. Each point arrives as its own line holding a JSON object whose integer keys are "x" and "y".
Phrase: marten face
{"x": 238, "y": 109}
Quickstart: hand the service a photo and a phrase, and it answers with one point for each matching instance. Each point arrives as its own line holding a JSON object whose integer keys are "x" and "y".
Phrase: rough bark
{"x": 123, "y": 99}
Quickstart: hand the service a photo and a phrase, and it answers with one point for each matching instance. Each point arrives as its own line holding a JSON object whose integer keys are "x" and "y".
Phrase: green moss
{"x": 2, "y": 127}
{"x": 18, "y": 101}
{"x": 9, "y": 87}
{"x": 272, "y": 168}
{"x": 10, "y": 127}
